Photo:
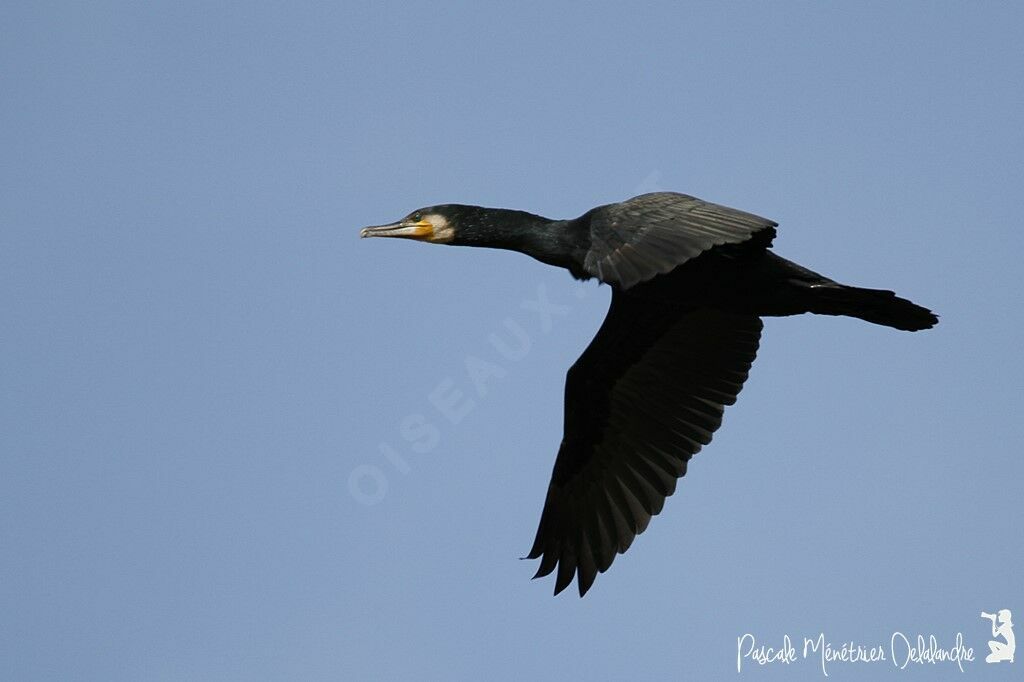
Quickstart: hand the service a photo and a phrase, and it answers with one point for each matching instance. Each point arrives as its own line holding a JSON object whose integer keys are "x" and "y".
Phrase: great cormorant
{"x": 690, "y": 282}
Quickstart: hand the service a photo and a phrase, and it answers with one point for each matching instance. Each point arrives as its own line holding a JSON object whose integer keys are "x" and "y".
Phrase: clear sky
{"x": 207, "y": 379}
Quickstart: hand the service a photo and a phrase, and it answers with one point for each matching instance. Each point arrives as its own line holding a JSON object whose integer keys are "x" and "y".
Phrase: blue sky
{"x": 200, "y": 360}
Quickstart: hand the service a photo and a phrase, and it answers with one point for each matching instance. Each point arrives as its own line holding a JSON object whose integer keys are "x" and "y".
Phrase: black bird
{"x": 690, "y": 282}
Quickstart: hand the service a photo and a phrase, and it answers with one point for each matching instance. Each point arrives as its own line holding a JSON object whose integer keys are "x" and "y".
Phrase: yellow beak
{"x": 421, "y": 231}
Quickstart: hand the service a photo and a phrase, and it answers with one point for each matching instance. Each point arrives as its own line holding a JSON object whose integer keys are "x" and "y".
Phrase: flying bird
{"x": 690, "y": 283}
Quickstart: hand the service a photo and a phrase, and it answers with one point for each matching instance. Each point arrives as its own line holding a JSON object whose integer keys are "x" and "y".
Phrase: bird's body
{"x": 691, "y": 281}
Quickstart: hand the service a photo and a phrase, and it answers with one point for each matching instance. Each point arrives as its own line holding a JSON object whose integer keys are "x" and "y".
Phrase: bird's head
{"x": 438, "y": 224}
{"x": 463, "y": 225}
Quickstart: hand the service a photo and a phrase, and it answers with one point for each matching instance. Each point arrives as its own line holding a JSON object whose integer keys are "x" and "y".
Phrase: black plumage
{"x": 690, "y": 282}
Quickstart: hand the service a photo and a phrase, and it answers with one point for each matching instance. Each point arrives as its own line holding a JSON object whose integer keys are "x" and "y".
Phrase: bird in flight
{"x": 690, "y": 283}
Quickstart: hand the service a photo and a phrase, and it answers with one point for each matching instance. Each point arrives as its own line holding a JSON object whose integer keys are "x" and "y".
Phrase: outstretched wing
{"x": 643, "y": 398}
{"x": 652, "y": 234}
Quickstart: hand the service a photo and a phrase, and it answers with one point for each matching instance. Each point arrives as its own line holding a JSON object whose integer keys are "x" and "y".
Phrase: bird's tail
{"x": 873, "y": 305}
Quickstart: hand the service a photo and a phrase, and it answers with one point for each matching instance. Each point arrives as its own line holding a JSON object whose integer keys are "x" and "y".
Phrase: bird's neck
{"x": 549, "y": 241}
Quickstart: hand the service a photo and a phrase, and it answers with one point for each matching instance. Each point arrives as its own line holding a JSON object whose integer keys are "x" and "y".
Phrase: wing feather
{"x": 651, "y": 234}
{"x": 643, "y": 398}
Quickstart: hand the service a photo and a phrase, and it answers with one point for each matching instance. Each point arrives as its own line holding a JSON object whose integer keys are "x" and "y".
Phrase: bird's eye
{"x": 416, "y": 217}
